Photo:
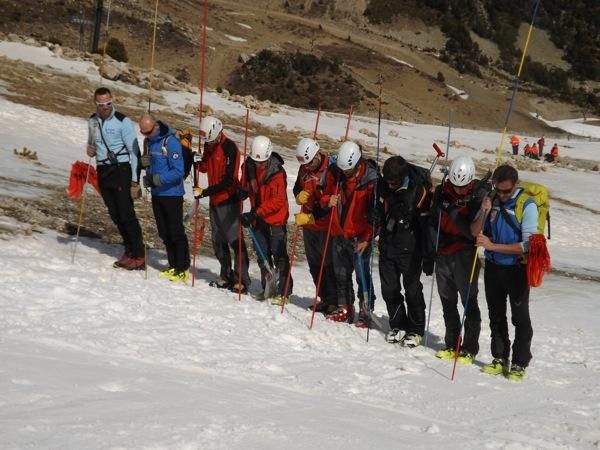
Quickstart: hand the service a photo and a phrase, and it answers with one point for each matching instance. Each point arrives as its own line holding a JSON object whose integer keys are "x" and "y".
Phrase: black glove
{"x": 249, "y": 218}
{"x": 151, "y": 181}
{"x": 428, "y": 266}
{"x": 374, "y": 217}
{"x": 145, "y": 161}
{"x": 242, "y": 193}
{"x": 480, "y": 191}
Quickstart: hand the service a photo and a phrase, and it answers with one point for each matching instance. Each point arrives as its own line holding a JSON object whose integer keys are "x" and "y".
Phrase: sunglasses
{"x": 149, "y": 132}
{"x": 103, "y": 104}
{"x": 504, "y": 191}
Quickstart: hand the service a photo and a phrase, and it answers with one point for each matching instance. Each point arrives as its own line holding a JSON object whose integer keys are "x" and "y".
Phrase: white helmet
{"x": 210, "y": 127}
{"x": 348, "y": 155}
{"x": 306, "y": 150}
{"x": 261, "y": 148}
{"x": 462, "y": 171}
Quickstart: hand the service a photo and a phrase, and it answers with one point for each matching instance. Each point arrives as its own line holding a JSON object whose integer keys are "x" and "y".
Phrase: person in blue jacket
{"x": 112, "y": 139}
{"x": 164, "y": 164}
{"x": 506, "y": 241}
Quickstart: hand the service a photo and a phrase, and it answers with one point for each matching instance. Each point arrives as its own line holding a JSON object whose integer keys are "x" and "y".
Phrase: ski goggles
{"x": 104, "y": 104}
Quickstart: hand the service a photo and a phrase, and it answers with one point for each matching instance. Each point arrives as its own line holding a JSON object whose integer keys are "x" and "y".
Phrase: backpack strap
{"x": 508, "y": 219}
{"x": 111, "y": 156}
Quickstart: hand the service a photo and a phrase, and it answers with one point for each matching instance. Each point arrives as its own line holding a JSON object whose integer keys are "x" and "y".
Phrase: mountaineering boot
{"x": 344, "y": 313}
{"x": 363, "y": 316}
{"x": 411, "y": 340}
{"x": 138, "y": 263}
{"x": 323, "y": 307}
{"x": 120, "y": 263}
{"x": 496, "y": 367}
{"x": 241, "y": 288}
{"x": 394, "y": 336}
{"x": 167, "y": 272}
{"x": 221, "y": 283}
{"x": 465, "y": 357}
{"x": 260, "y": 297}
{"x": 445, "y": 353}
{"x": 180, "y": 277}
{"x": 516, "y": 373}
{"x": 279, "y": 300}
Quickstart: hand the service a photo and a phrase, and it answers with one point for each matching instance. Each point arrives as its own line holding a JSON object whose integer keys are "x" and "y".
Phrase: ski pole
{"x": 437, "y": 235}
{"x": 241, "y": 231}
{"x": 261, "y": 253}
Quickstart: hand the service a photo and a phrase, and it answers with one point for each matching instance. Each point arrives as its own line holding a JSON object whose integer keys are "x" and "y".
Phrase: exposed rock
{"x": 367, "y": 132}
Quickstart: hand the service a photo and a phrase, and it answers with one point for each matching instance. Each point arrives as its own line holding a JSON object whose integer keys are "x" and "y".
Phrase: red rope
{"x": 538, "y": 260}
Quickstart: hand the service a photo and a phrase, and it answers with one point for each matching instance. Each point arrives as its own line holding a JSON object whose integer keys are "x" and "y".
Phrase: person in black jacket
{"x": 403, "y": 212}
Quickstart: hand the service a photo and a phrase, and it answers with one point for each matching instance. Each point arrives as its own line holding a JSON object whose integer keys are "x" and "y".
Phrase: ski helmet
{"x": 348, "y": 155}
{"x": 306, "y": 150}
{"x": 210, "y": 127}
{"x": 462, "y": 171}
{"x": 261, "y": 148}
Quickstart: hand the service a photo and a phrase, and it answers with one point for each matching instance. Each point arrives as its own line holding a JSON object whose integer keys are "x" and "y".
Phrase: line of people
{"x": 345, "y": 203}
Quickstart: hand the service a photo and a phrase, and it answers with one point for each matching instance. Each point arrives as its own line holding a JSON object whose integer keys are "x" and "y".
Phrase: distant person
{"x": 506, "y": 240}
{"x": 515, "y": 141}
{"x": 541, "y": 142}
{"x": 531, "y": 151}
{"x": 553, "y": 155}
{"x": 164, "y": 164}
{"x": 221, "y": 162}
{"x": 526, "y": 150}
{"x": 113, "y": 141}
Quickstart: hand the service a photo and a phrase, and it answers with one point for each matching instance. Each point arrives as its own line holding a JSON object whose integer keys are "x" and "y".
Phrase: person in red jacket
{"x": 541, "y": 142}
{"x": 553, "y": 155}
{"x": 350, "y": 189}
{"x": 314, "y": 220}
{"x": 220, "y": 162}
{"x": 266, "y": 186}
{"x": 456, "y": 218}
{"x": 531, "y": 151}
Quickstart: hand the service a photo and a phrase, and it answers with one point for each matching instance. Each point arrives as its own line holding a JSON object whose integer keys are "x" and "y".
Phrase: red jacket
{"x": 455, "y": 230}
{"x": 267, "y": 189}
{"x": 221, "y": 163}
{"x": 356, "y": 195}
{"x": 312, "y": 182}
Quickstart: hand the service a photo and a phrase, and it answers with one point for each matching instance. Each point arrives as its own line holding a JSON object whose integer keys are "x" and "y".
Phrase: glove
{"x": 198, "y": 192}
{"x": 91, "y": 151}
{"x": 304, "y": 219}
{"x": 145, "y": 161}
{"x": 242, "y": 193}
{"x": 151, "y": 181}
{"x": 249, "y": 218}
{"x": 428, "y": 266}
{"x": 302, "y": 197}
{"x": 135, "y": 190}
{"x": 374, "y": 217}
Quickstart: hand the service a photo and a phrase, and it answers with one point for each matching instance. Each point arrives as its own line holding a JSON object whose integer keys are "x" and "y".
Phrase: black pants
{"x": 452, "y": 274}
{"x": 345, "y": 262}
{"x": 515, "y": 149}
{"x": 225, "y": 233}
{"x": 168, "y": 212}
{"x": 115, "y": 184}
{"x": 273, "y": 243}
{"x": 409, "y": 317}
{"x": 314, "y": 245}
{"x": 502, "y": 282}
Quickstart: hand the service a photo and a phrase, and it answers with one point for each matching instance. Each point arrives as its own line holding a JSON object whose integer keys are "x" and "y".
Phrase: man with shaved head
{"x": 164, "y": 164}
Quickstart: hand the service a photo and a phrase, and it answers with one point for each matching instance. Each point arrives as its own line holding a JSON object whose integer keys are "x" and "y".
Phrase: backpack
{"x": 539, "y": 194}
{"x": 185, "y": 138}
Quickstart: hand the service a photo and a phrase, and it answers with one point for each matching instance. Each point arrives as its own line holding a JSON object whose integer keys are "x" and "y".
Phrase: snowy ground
{"x": 98, "y": 358}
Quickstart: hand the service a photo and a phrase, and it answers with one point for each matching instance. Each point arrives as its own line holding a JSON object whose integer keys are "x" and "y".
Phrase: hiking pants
{"x": 314, "y": 245}
{"x": 115, "y": 184}
{"x": 273, "y": 243}
{"x": 452, "y": 274}
{"x": 409, "y": 317}
{"x": 515, "y": 149}
{"x": 511, "y": 282}
{"x": 168, "y": 213}
{"x": 225, "y": 229}
{"x": 345, "y": 262}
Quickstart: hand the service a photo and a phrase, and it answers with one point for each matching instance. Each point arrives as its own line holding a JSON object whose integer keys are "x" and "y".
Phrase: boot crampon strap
{"x": 538, "y": 261}
{"x": 79, "y": 172}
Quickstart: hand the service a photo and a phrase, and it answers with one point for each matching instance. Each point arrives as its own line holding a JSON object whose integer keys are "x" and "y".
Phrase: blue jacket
{"x": 501, "y": 232}
{"x": 118, "y": 133}
{"x": 166, "y": 162}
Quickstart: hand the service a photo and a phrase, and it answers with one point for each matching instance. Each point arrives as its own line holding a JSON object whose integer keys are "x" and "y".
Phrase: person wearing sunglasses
{"x": 456, "y": 218}
{"x": 112, "y": 140}
{"x": 164, "y": 164}
{"x": 506, "y": 240}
